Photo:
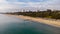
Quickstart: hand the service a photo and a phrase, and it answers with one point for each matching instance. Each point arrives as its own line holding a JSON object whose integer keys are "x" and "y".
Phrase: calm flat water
{"x": 13, "y": 25}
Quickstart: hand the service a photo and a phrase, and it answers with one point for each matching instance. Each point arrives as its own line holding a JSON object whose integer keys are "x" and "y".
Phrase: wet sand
{"x": 41, "y": 20}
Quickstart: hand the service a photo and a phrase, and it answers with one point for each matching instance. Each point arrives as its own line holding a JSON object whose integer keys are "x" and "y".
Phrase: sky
{"x": 31, "y": 4}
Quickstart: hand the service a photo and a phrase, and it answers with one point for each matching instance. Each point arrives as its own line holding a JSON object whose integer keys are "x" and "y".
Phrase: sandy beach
{"x": 51, "y": 22}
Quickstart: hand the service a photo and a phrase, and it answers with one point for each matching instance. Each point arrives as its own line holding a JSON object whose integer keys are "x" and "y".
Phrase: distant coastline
{"x": 41, "y": 14}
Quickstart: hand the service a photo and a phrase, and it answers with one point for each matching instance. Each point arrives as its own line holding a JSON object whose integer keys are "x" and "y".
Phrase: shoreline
{"x": 40, "y": 20}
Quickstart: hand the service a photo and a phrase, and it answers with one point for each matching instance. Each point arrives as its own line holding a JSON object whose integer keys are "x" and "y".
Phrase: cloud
{"x": 41, "y": 4}
{"x": 2, "y": 0}
{"x": 52, "y": 4}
